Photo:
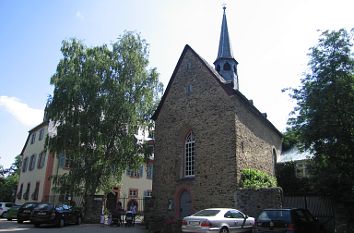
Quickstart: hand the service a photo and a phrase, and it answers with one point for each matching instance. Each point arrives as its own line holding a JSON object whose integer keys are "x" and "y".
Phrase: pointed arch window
{"x": 189, "y": 155}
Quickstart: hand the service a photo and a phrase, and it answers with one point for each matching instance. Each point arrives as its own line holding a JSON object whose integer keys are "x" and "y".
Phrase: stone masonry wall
{"x": 255, "y": 141}
{"x": 229, "y": 137}
{"x": 251, "y": 201}
{"x": 207, "y": 112}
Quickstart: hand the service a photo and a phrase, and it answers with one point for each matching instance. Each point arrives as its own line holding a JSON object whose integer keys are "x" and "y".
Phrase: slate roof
{"x": 225, "y": 50}
{"x": 294, "y": 154}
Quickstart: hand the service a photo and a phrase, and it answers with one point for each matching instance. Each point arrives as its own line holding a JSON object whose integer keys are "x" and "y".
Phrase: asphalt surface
{"x": 27, "y": 227}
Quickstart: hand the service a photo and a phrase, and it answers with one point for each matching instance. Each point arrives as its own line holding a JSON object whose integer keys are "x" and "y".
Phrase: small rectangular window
{"x": 19, "y": 194}
{"x": 133, "y": 193}
{"x": 24, "y": 165}
{"x": 32, "y": 162}
{"x": 149, "y": 171}
{"x": 41, "y": 134}
{"x": 41, "y": 160}
{"x": 36, "y": 192}
{"x": 26, "y": 194}
{"x": 33, "y": 137}
{"x": 188, "y": 89}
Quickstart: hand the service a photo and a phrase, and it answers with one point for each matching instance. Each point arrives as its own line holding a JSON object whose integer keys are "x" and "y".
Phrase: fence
{"x": 321, "y": 208}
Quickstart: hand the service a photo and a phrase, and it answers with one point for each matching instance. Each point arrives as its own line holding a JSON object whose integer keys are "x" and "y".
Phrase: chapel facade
{"x": 206, "y": 132}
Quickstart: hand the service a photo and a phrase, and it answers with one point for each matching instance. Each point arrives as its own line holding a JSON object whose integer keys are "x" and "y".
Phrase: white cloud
{"x": 79, "y": 15}
{"x": 26, "y": 115}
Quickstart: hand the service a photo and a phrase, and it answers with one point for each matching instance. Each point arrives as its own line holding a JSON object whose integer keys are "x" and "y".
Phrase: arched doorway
{"x": 185, "y": 204}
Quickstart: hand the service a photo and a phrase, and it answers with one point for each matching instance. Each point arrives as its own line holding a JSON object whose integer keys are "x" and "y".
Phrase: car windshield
{"x": 275, "y": 215}
{"x": 28, "y": 205}
{"x": 207, "y": 213}
{"x": 44, "y": 206}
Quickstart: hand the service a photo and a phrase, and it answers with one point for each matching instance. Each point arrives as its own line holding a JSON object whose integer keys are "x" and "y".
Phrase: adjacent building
{"x": 300, "y": 159}
{"x": 38, "y": 166}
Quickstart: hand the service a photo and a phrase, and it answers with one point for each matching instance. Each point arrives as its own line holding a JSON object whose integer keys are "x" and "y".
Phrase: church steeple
{"x": 225, "y": 63}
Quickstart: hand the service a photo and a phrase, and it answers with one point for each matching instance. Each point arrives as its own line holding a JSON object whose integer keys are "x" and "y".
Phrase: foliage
{"x": 255, "y": 179}
{"x": 324, "y": 116}
{"x": 9, "y": 179}
{"x": 287, "y": 180}
{"x": 101, "y": 97}
{"x": 290, "y": 139}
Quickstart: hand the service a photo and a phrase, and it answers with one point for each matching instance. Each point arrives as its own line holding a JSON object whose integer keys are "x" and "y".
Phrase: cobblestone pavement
{"x": 6, "y": 226}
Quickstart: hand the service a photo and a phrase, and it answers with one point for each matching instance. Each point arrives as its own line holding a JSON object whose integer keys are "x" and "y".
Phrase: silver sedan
{"x": 221, "y": 220}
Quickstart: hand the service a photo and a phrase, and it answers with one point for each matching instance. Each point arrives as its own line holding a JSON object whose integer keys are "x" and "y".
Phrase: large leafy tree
{"x": 323, "y": 119}
{"x": 9, "y": 178}
{"x": 102, "y": 95}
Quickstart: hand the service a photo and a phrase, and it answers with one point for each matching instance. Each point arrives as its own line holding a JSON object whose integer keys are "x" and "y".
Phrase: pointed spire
{"x": 225, "y": 50}
{"x": 225, "y": 63}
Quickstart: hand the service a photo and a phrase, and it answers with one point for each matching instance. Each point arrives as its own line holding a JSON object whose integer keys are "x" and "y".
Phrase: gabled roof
{"x": 221, "y": 81}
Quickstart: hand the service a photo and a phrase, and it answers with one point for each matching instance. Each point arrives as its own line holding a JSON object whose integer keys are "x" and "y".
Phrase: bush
{"x": 255, "y": 179}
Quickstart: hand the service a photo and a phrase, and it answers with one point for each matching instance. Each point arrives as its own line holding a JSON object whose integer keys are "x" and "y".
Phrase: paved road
{"x": 6, "y": 226}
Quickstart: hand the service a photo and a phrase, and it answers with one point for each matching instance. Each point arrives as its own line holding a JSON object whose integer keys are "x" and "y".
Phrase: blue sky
{"x": 270, "y": 40}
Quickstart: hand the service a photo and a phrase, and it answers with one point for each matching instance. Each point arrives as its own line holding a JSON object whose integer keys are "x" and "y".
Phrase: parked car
{"x": 24, "y": 212}
{"x": 4, "y": 207}
{"x": 292, "y": 220}
{"x": 59, "y": 215}
{"x": 12, "y": 212}
{"x": 221, "y": 220}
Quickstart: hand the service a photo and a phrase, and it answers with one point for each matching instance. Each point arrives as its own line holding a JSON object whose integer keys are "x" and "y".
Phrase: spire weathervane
{"x": 225, "y": 63}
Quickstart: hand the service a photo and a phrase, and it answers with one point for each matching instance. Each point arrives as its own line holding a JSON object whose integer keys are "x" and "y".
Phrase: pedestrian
{"x": 133, "y": 210}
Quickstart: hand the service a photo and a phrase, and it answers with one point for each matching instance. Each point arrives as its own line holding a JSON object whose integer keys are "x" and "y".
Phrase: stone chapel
{"x": 206, "y": 132}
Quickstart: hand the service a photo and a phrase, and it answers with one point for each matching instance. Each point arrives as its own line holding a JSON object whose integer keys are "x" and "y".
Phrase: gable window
{"x": 32, "y": 162}
{"x": 41, "y": 134}
{"x": 41, "y": 160}
{"x": 189, "y": 89}
{"x": 189, "y": 156}
{"x": 33, "y": 138}
{"x": 25, "y": 164}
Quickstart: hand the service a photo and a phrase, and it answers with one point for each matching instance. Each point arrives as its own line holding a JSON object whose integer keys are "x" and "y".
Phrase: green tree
{"x": 324, "y": 116}
{"x": 9, "y": 178}
{"x": 101, "y": 97}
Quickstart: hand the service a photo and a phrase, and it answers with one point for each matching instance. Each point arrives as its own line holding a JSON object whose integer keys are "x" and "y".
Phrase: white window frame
{"x": 189, "y": 155}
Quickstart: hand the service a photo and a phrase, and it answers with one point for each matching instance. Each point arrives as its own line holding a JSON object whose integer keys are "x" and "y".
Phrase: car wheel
{"x": 19, "y": 221}
{"x": 78, "y": 220}
{"x": 61, "y": 222}
{"x": 37, "y": 225}
{"x": 224, "y": 230}
{"x": 4, "y": 215}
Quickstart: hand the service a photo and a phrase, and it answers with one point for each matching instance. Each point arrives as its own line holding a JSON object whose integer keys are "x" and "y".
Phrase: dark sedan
{"x": 292, "y": 220}
{"x": 59, "y": 215}
{"x": 24, "y": 212}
